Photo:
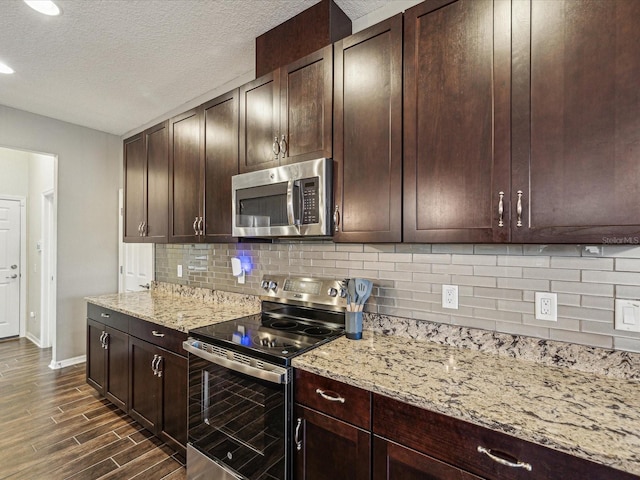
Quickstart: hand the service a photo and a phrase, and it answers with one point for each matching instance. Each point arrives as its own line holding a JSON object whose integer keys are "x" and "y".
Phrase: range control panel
{"x": 323, "y": 291}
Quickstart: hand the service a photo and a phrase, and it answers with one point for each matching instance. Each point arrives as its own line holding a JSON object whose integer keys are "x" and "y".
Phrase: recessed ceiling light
{"x": 44, "y": 6}
{"x": 4, "y": 68}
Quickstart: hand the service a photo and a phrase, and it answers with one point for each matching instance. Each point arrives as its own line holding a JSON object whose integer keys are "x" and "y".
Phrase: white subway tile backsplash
{"x": 496, "y": 282}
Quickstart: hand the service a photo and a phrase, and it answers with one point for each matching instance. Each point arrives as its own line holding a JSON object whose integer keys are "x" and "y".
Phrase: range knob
{"x": 273, "y": 286}
{"x": 332, "y": 292}
{"x": 273, "y": 344}
{"x": 264, "y": 284}
{"x": 343, "y": 292}
{"x": 265, "y": 342}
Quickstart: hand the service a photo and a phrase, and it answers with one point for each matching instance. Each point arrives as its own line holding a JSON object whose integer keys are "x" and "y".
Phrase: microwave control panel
{"x": 310, "y": 212}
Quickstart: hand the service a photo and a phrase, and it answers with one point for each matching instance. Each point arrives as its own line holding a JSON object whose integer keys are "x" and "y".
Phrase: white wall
{"x": 41, "y": 179}
{"x": 14, "y": 172}
{"x": 88, "y": 167}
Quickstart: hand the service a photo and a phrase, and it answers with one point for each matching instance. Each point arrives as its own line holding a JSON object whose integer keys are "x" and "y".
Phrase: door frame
{"x": 24, "y": 270}
{"x": 48, "y": 269}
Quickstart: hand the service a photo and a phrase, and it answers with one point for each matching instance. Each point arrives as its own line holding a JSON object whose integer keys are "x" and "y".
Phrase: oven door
{"x": 237, "y": 420}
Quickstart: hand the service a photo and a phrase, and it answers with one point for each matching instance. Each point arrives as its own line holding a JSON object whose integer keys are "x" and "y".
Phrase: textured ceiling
{"x": 114, "y": 65}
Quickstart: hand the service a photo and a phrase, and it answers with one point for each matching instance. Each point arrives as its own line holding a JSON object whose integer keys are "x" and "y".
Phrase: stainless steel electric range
{"x": 241, "y": 381}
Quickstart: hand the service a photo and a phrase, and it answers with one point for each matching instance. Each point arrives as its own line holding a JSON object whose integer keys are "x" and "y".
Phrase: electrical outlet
{"x": 450, "y": 296}
{"x": 546, "y": 306}
{"x": 627, "y": 315}
{"x": 179, "y": 270}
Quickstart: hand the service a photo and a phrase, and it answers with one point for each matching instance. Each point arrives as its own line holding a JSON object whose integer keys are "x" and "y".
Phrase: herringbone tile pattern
{"x": 54, "y": 426}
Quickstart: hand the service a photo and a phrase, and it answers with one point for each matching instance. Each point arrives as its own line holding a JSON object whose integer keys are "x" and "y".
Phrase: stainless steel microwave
{"x": 288, "y": 201}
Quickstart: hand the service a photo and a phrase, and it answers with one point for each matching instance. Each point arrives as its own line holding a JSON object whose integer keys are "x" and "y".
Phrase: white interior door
{"x": 9, "y": 268}
{"x": 136, "y": 262}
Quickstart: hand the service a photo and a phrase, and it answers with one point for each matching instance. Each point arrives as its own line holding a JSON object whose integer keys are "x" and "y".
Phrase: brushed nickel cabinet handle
{"x": 296, "y": 437}
{"x": 102, "y": 339}
{"x": 154, "y": 365}
{"x": 331, "y": 398}
{"x": 144, "y": 229}
{"x": 158, "y": 363}
{"x": 501, "y": 209}
{"x": 156, "y": 333}
{"x": 275, "y": 147}
{"x": 336, "y": 219}
{"x": 519, "y": 209}
{"x": 502, "y": 461}
{"x": 195, "y": 225}
{"x": 105, "y": 315}
{"x": 200, "y": 226}
{"x": 106, "y": 341}
{"x": 283, "y": 146}
{"x": 12, "y": 277}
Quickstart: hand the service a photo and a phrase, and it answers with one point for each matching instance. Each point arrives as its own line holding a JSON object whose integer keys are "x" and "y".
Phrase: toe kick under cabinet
{"x": 339, "y": 427}
{"x": 141, "y": 368}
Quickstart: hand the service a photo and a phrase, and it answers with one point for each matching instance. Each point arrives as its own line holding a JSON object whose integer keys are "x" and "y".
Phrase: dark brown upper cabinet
{"x": 576, "y": 127}
{"x": 146, "y": 184}
{"x": 185, "y": 192}
{"x": 203, "y": 148}
{"x": 285, "y": 116}
{"x": 457, "y": 121}
{"x": 367, "y": 135}
{"x": 220, "y": 139}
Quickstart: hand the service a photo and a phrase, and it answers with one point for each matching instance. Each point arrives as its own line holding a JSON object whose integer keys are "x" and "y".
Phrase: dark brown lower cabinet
{"x": 159, "y": 391}
{"x": 396, "y": 462}
{"x": 147, "y": 380}
{"x": 329, "y": 449}
{"x": 107, "y": 362}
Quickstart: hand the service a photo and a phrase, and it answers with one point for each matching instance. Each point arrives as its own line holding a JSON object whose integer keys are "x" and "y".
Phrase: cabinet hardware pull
{"x": 502, "y": 461}
{"x": 501, "y": 209}
{"x": 283, "y": 146}
{"x": 337, "y": 398}
{"x": 153, "y": 365}
{"x": 140, "y": 229}
{"x": 156, "y": 333}
{"x": 519, "y": 209}
{"x": 105, "y": 315}
{"x": 336, "y": 218}
{"x": 144, "y": 229}
{"x": 275, "y": 147}
{"x": 195, "y": 225}
{"x": 158, "y": 370}
{"x": 296, "y": 437}
{"x": 106, "y": 341}
{"x": 102, "y": 338}
{"x": 200, "y": 226}
{"x": 15, "y": 275}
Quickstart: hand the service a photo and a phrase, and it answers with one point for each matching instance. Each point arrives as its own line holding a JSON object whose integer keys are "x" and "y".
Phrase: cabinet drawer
{"x": 456, "y": 442}
{"x": 353, "y": 404}
{"x": 158, "y": 335}
{"x": 108, "y": 317}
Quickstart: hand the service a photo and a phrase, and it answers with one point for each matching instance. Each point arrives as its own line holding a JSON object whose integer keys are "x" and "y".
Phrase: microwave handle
{"x": 290, "y": 212}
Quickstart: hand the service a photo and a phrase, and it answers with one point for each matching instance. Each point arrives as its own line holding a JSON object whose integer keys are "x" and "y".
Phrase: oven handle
{"x": 290, "y": 215}
{"x": 277, "y": 375}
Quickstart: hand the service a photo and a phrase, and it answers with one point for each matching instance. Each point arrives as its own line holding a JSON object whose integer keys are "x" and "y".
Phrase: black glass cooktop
{"x": 279, "y": 333}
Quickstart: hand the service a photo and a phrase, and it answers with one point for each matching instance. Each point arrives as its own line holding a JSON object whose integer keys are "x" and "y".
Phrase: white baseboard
{"x": 67, "y": 362}
{"x": 33, "y": 339}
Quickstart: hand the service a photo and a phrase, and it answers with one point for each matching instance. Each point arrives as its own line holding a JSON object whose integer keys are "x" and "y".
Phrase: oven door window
{"x": 238, "y": 420}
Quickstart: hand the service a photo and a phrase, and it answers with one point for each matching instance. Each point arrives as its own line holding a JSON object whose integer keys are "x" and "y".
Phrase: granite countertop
{"x": 584, "y": 414}
{"x": 178, "y": 312}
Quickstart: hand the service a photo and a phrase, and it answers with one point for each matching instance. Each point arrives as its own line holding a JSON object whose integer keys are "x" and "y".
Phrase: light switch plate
{"x": 179, "y": 272}
{"x": 627, "y": 315}
{"x": 546, "y": 306}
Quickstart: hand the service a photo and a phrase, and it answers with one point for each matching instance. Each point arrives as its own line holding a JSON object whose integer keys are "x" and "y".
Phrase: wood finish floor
{"x": 55, "y": 426}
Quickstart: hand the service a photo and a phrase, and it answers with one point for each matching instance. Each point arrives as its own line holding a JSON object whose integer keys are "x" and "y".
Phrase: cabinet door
{"x": 368, "y": 134}
{"x": 96, "y": 363}
{"x": 576, "y": 127}
{"x": 395, "y": 462}
{"x": 185, "y": 174}
{"x": 117, "y": 352}
{"x": 157, "y": 218}
{"x": 456, "y": 121}
{"x": 330, "y": 448}
{"x": 174, "y": 397}
{"x": 146, "y": 388}
{"x": 306, "y": 97}
{"x": 135, "y": 187}
{"x": 259, "y": 122}
{"x": 220, "y": 137}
